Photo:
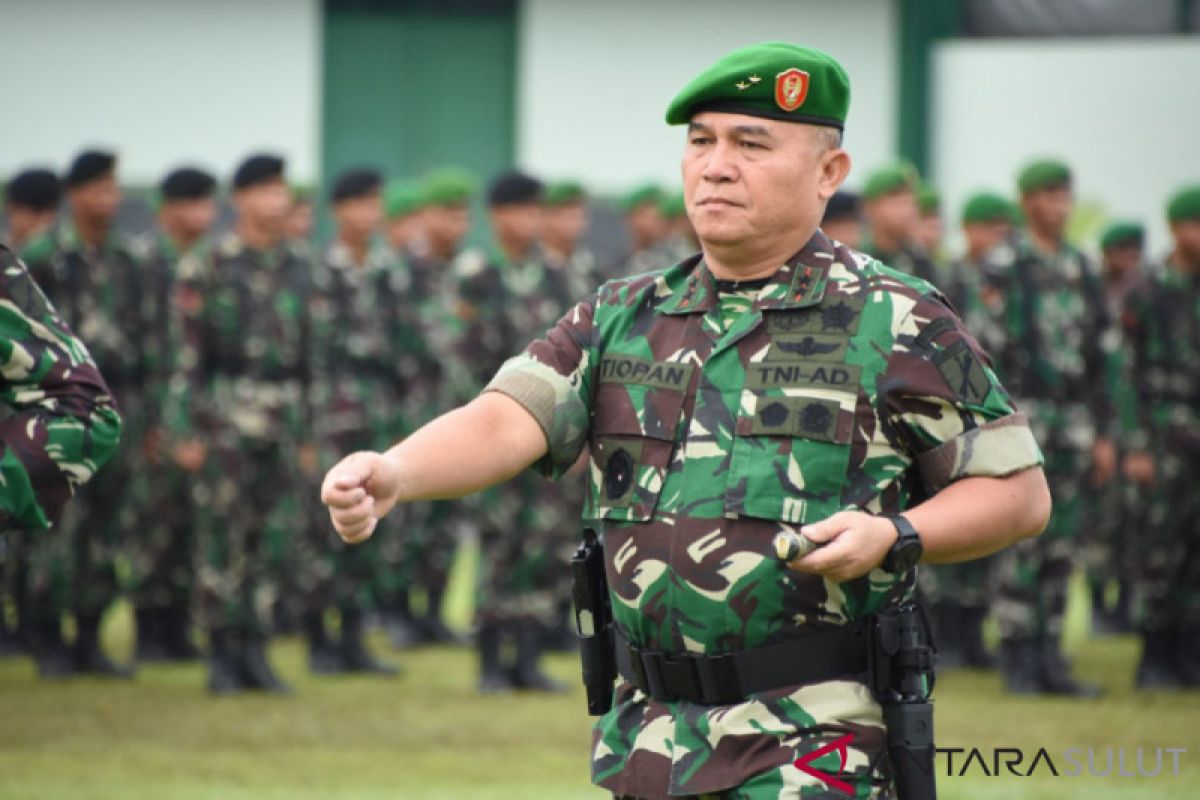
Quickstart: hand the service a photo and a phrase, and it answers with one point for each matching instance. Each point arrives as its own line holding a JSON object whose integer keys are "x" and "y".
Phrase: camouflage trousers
{"x": 162, "y": 550}
{"x": 73, "y": 566}
{"x": 1033, "y": 574}
{"x": 529, "y": 532}
{"x": 248, "y": 517}
{"x": 1167, "y": 582}
{"x": 1111, "y": 517}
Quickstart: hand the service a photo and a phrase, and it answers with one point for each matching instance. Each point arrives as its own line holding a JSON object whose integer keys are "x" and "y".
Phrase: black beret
{"x": 258, "y": 168}
{"x": 843, "y": 205}
{"x": 187, "y": 183}
{"x": 38, "y": 189}
{"x": 355, "y": 183}
{"x": 513, "y": 188}
{"x": 90, "y": 165}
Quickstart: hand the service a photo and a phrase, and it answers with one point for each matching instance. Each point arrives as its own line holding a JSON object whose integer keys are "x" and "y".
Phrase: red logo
{"x": 839, "y": 744}
{"x": 791, "y": 89}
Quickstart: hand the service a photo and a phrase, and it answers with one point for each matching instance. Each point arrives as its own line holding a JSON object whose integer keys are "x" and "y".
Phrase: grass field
{"x": 428, "y": 735}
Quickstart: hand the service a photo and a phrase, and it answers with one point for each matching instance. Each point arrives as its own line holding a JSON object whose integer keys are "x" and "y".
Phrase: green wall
{"x": 411, "y": 85}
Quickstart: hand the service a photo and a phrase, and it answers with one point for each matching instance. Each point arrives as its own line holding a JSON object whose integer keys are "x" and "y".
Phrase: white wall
{"x": 1124, "y": 113}
{"x": 595, "y": 78}
{"x": 162, "y": 81}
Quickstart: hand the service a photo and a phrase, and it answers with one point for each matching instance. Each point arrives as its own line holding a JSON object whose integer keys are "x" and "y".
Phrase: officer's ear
{"x": 834, "y": 167}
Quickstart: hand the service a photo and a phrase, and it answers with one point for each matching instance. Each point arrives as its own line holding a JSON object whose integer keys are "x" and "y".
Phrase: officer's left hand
{"x": 856, "y": 544}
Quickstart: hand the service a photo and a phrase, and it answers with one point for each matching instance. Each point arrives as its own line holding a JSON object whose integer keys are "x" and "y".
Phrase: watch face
{"x": 906, "y": 555}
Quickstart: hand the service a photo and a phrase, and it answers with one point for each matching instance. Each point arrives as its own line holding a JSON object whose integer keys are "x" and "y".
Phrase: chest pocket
{"x": 638, "y": 410}
{"x": 791, "y": 446}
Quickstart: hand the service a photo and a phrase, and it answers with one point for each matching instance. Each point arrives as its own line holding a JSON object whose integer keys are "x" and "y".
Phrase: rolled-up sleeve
{"x": 552, "y": 380}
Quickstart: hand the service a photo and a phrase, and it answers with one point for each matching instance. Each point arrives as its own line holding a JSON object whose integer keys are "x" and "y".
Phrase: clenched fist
{"x": 359, "y": 490}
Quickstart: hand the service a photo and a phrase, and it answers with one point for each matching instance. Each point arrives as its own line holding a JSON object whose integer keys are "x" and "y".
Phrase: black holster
{"x": 593, "y": 623}
{"x": 902, "y": 675}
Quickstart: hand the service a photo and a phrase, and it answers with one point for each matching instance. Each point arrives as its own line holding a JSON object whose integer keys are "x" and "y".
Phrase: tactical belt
{"x": 728, "y": 678}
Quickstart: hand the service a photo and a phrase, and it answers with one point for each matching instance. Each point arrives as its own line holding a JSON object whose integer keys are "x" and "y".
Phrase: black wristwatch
{"x": 907, "y": 550}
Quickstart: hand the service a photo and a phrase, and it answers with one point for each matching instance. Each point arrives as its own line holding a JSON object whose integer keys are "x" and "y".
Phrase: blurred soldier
{"x": 242, "y": 394}
{"x": 31, "y": 201}
{"x": 1058, "y": 345}
{"x": 90, "y": 274}
{"x": 403, "y": 207}
{"x": 1114, "y": 510}
{"x": 893, "y": 216}
{"x": 646, "y": 228}
{"x": 528, "y": 527}
{"x": 354, "y": 391}
{"x": 430, "y": 375}
{"x": 300, "y": 216}
{"x": 162, "y": 553}
{"x": 843, "y": 219}
{"x": 959, "y": 595}
{"x": 564, "y": 222}
{"x": 930, "y": 230}
{"x": 975, "y": 282}
{"x": 61, "y": 424}
{"x": 680, "y": 240}
{"x": 1163, "y": 329}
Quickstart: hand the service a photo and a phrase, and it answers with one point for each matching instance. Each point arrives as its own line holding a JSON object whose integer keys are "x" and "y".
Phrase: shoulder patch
{"x": 963, "y": 372}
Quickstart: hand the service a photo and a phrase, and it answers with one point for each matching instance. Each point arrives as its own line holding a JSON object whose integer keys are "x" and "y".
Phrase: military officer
{"x": 776, "y": 382}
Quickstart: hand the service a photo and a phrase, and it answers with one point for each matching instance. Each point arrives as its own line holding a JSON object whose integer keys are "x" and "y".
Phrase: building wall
{"x": 595, "y": 78}
{"x": 160, "y": 81}
{"x": 1122, "y": 112}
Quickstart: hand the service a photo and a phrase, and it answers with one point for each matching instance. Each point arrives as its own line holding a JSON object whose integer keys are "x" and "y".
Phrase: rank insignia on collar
{"x": 791, "y": 89}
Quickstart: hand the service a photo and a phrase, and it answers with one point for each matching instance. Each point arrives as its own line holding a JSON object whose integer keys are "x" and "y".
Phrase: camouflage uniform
{"x": 98, "y": 295}
{"x": 61, "y": 425}
{"x": 714, "y": 421}
{"x": 1162, "y": 323}
{"x": 427, "y": 331}
{"x": 355, "y": 392}
{"x": 1058, "y": 344}
{"x": 529, "y": 525}
{"x": 242, "y": 387}
{"x": 161, "y": 552}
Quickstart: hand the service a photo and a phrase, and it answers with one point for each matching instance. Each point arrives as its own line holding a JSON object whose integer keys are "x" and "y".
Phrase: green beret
{"x": 402, "y": 197}
{"x": 1122, "y": 234}
{"x": 1044, "y": 174}
{"x": 645, "y": 194}
{"x": 564, "y": 193}
{"x": 449, "y": 186}
{"x": 775, "y": 80}
{"x": 988, "y": 207}
{"x": 1185, "y": 205}
{"x": 673, "y": 206}
{"x": 891, "y": 178}
{"x": 928, "y": 200}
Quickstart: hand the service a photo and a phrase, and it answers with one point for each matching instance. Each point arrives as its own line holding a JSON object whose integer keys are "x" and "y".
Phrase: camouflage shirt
{"x": 62, "y": 424}
{"x": 1059, "y": 344}
{"x": 98, "y": 293}
{"x": 245, "y": 367}
{"x": 1162, "y": 326}
{"x": 713, "y": 424}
